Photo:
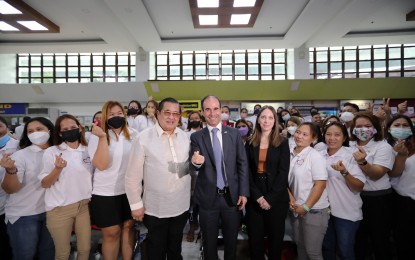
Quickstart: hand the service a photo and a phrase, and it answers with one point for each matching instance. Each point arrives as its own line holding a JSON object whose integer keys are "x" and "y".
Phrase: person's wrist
{"x": 11, "y": 171}
{"x": 306, "y": 208}
{"x": 344, "y": 174}
{"x": 362, "y": 163}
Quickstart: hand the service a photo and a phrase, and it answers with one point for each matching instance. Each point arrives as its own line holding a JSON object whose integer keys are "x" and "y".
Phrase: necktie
{"x": 217, "y": 152}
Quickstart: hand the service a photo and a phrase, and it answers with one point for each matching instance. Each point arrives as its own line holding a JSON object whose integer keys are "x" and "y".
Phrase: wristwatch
{"x": 345, "y": 174}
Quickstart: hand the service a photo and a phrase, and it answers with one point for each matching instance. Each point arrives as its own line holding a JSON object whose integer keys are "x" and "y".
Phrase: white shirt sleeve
{"x": 384, "y": 155}
{"x": 92, "y": 146}
{"x": 134, "y": 175}
{"x": 48, "y": 163}
{"x": 318, "y": 167}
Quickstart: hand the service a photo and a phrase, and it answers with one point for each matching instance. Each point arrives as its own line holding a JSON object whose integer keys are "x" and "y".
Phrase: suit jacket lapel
{"x": 208, "y": 144}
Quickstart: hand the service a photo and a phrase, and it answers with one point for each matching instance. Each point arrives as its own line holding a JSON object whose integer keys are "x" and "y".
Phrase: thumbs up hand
{"x": 197, "y": 158}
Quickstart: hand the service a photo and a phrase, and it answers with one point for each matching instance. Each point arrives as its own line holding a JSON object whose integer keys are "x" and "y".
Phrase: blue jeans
{"x": 29, "y": 235}
{"x": 340, "y": 239}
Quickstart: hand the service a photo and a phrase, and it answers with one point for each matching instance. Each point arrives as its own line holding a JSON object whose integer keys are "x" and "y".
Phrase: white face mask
{"x": 291, "y": 129}
{"x": 347, "y": 116}
{"x": 224, "y": 116}
{"x": 39, "y": 138}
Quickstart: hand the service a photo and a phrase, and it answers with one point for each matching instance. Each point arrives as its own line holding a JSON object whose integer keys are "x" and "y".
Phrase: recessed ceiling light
{"x": 244, "y": 3}
{"x": 6, "y": 8}
{"x": 208, "y": 19}
{"x": 240, "y": 18}
{"x": 32, "y": 25}
{"x": 207, "y": 3}
{"x": 7, "y": 27}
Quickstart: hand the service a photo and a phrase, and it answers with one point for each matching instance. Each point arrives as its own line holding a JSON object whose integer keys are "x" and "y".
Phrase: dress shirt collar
{"x": 35, "y": 148}
{"x": 160, "y": 130}
{"x": 219, "y": 126}
{"x": 64, "y": 146}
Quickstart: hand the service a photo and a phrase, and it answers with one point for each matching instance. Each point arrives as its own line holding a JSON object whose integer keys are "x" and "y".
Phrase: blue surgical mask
{"x": 286, "y": 117}
{"x": 400, "y": 133}
{"x": 4, "y": 140}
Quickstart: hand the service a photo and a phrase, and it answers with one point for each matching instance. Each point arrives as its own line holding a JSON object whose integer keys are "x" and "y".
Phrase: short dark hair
{"x": 169, "y": 100}
{"x": 352, "y": 105}
{"x": 25, "y": 119}
{"x": 25, "y": 141}
{"x": 389, "y": 138}
{"x": 209, "y": 96}
{"x": 375, "y": 122}
{"x": 342, "y": 127}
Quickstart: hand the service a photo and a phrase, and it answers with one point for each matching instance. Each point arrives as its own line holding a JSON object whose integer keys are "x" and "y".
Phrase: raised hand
{"x": 360, "y": 155}
{"x": 197, "y": 158}
{"x": 60, "y": 163}
{"x": 7, "y": 163}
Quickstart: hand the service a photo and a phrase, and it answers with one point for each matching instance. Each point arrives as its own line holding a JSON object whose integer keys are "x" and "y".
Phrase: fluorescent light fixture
{"x": 240, "y": 18}
{"x": 6, "y": 8}
{"x": 7, "y": 27}
{"x": 244, "y": 3}
{"x": 208, "y": 19}
{"x": 32, "y": 25}
{"x": 207, "y": 3}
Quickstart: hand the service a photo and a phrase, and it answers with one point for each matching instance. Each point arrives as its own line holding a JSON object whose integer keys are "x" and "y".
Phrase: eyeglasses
{"x": 176, "y": 115}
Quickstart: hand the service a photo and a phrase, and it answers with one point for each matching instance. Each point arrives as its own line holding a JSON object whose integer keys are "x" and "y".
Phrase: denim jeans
{"x": 29, "y": 235}
{"x": 340, "y": 239}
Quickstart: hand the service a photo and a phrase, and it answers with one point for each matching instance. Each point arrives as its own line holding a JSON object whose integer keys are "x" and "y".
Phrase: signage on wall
{"x": 12, "y": 108}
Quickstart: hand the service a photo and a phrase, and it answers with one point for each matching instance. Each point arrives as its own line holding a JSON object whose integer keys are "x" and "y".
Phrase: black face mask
{"x": 132, "y": 111}
{"x": 194, "y": 124}
{"x": 71, "y": 135}
{"x": 116, "y": 122}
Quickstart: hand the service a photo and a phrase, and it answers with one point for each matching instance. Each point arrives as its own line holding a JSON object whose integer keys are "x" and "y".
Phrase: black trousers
{"x": 375, "y": 230}
{"x": 5, "y": 248}
{"x": 229, "y": 218}
{"x": 164, "y": 237}
{"x": 404, "y": 231}
{"x": 266, "y": 223}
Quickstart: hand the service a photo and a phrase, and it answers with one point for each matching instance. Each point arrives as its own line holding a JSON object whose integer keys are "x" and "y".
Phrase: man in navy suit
{"x": 222, "y": 185}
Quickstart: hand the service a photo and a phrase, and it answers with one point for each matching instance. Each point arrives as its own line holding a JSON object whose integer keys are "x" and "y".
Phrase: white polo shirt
{"x": 405, "y": 184}
{"x": 10, "y": 147}
{"x": 380, "y": 153}
{"x": 345, "y": 203}
{"x": 30, "y": 199}
{"x": 143, "y": 122}
{"x": 305, "y": 168}
{"x": 75, "y": 180}
{"x": 111, "y": 181}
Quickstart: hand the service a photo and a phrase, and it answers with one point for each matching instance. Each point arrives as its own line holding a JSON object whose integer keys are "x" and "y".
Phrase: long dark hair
{"x": 375, "y": 122}
{"x": 25, "y": 141}
{"x": 388, "y": 135}
{"x": 57, "y": 136}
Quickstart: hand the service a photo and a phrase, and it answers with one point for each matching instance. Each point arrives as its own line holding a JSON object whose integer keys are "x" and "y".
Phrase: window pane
{"x": 161, "y": 59}
{"x": 123, "y": 71}
{"x": 350, "y": 54}
{"x": 23, "y": 72}
{"x": 350, "y": 66}
{"x": 174, "y": 58}
{"x": 266, "y": 69}
{"x": 394, "y": 65}
{"x": 279, "y": 69}
{"x": 252, "y": 57}
{"x": 60, "y": 72}
{"x": 322, "y": 56}
{"x": 311, "y": 56}
{"x": 48, "y": 72}
{"x": 35, "y": 60}
{"x": 336, "y": 67}
{"x": 213, "y": 58}
{"x": 409, "y": 64}
{"x": 35, "y": 72}
{"x": 239, "y": 57}
{"x": 47, "y": 60}
{"x": 379, "y": 65}
{"x": 109, "y": 71}
{"x": 335, "y": 55}
{"x": 72, "y": 60}
{"x": 201, "y": 70}
{"x": 85, "y": 60}
{"x": 47, "y": 80}
{"x": 312, "y": 68}
{"x": 226, "y": 69}
{"x": 364, "y": 66}
{"x": 409, "y": 52}
{"x": 60, "y": 60}
{"x": 200, "y": 58}
{"x": 187, "y": 70}
{"x": 161, "y": 71}
{"x": 379, "y": 54}
{"x": 322, "y": 68}
{"x": 239, "y": 70}
{"x": 394, "y": 53}
{"x": 266, "y": 58}
{"x": 394, "y": 74}
{"x": 122, "y": 60}
{"x": 97, "y": 72}
{"x": 252, "y": 69}
{"x": 364, "y": 54}
{"x": 379, "y": 75}
{"x": 227, "y": 58}
{"x": 97, "y": 60}
{"x": 23, "y": 61}
{"x": 187, "y": 59}
{"x": 85, "y": 72}
{"x": 213, "y": 69}
{"x": 279, "y": 57}
{"x": 174, "y": 70}
{"x": 110, "y": 60}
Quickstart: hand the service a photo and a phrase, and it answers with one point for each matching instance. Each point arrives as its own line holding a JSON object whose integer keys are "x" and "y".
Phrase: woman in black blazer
{"x": 269, "y": 160}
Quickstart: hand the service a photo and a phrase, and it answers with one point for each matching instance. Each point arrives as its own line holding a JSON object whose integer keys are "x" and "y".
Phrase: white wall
{"x": 7, "y": 68}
